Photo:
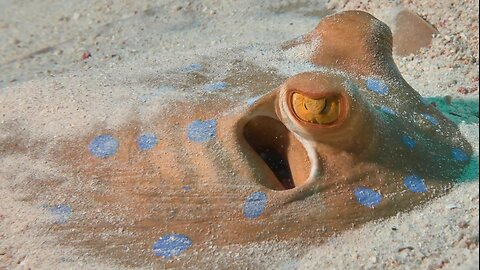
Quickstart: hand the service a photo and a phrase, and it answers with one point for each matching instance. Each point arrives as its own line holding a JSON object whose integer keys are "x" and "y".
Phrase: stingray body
{"x": 324, "y": 152}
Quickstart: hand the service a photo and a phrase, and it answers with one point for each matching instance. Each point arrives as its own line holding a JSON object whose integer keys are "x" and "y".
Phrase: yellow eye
{"x": 318, "y": 111}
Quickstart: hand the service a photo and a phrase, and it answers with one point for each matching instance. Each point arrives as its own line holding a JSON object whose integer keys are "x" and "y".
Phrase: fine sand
{"x": 69, "y": 67}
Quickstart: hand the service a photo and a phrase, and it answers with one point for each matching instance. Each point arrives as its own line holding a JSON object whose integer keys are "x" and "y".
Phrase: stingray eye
{"x": 322, "y": 111}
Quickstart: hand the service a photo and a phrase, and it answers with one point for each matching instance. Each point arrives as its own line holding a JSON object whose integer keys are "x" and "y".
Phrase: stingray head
{"x": 355, "y": 121}
{"x": 301, "y": 126}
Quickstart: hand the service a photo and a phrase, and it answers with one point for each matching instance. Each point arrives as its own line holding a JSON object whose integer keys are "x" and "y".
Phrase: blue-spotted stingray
{"x": 325, "y": 151}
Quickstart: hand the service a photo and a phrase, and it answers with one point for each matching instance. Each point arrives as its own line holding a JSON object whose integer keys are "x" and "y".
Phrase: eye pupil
{"x": 327, "y": 103}
{"x": 318, "y": 111}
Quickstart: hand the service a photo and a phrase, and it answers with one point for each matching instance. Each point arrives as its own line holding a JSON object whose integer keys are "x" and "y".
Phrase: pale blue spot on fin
{"x": 367, "y": 196}
{"x": 147, "y": 141}
{"x": 430, "y": 118}
{"x": 156, "y": 93}
{"x": 202, "y": 131}
{"x": 61, "y": 213}
{"x": 387, "y": 110}
{"x": 252, "y": 100}
{"x": 255, "y": 204}
{"x": 192, "y": 68}
{"x": 103, "y": 146}
{"x": 415, "y": 183}
{"x": 459, "y": 155}
{"x": 425, "y": 101}
{"x": 211, "y": 87}
{"x": 377, "y": 86}
{"x": 171, "y": 245}
{"x": 409, "y": 142}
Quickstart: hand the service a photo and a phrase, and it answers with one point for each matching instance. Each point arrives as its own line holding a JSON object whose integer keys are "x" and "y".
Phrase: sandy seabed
{"x": 69, "y": 67}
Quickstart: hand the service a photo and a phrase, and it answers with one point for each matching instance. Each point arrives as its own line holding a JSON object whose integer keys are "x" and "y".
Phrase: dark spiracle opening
{"x": 283, "y": 154}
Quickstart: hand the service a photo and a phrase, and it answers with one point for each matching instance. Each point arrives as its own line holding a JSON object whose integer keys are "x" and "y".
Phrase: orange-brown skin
{"x": 354, "y": 41}
{"x": 140, "y": 192}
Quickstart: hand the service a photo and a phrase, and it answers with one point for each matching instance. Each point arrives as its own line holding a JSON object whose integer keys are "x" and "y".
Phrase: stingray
{"x": 326, "y": 151}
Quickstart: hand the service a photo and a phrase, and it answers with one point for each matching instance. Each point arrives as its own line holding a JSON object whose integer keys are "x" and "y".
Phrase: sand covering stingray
{"x": 326, "y": 151}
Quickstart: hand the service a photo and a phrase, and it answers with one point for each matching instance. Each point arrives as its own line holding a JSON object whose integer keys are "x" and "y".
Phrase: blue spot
{"x": 409, "y": 142}
{"x": 415, "y": 183}
{"x": 377, "y": 86}
{"x": 387, "y": 110}
{"x": 103, "y": 146}
{"x": 252, "y": 100}
{"x": 192, "y": 67}
{"x": 425, "y": 101}
{"x": 367, "y": 197}
{"x": 202, "y": 131}
{"x": 61, "y": 213}
{"x": 186, "y": 188}
{"x": 147, "y": 141}
{"x": 459, "y": 155}
{"x": 255, "y": 204}
{"x": 215, "y": 86}
{"x": 431, "y": 119}
{"x": 171, "y": 245}
{"x": 157, "y": 92}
